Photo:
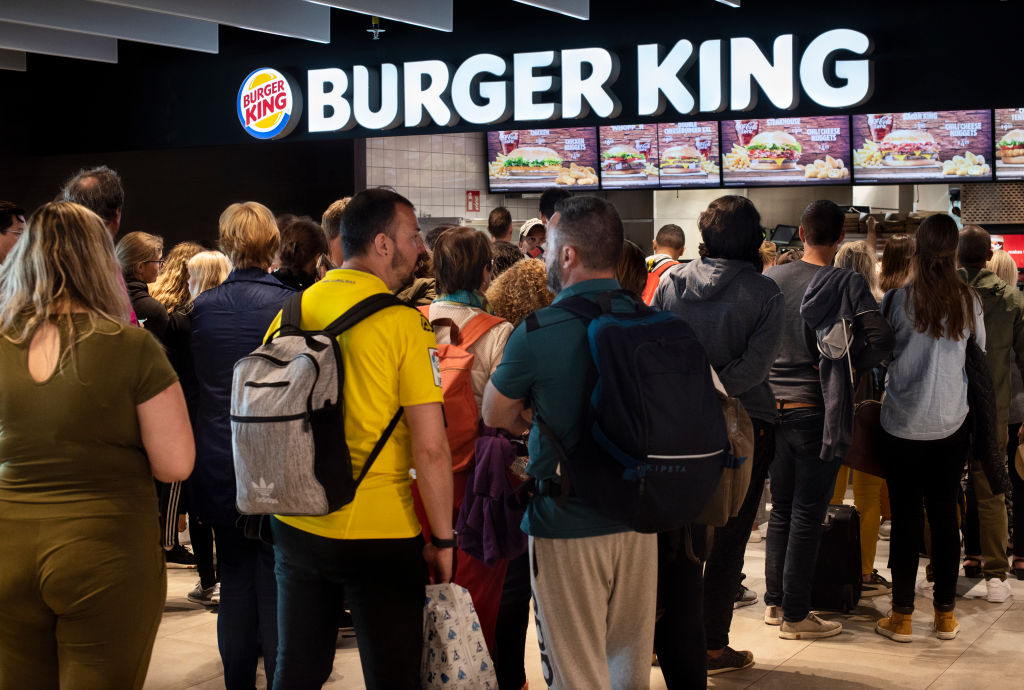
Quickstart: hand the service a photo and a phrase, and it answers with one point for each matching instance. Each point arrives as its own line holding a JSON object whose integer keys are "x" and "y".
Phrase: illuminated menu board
{"x": 786, "y": 151}
{"x": 528, "y": 160}
{"x": 629, "y": 156}
{"x": 1009, "y": 138}
{"x": 935, "y": 146}
{"x": 688, "y": 154}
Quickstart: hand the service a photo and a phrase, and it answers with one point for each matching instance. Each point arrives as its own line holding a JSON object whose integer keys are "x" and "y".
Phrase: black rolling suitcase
{"x": 837, "y": 574}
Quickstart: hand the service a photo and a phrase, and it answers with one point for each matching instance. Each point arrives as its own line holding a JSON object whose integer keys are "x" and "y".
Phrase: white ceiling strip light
{"x": 13, "y": 60}
{"x": 113, "y": 22}
{"x": 291, "y": 18}
{"x": 432, "y": 14}
{"x": 33, "y": 39}
{"x": 580, "y": 9}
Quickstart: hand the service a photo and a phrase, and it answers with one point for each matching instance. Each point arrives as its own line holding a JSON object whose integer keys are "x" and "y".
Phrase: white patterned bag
{"x": 455, "y": 655}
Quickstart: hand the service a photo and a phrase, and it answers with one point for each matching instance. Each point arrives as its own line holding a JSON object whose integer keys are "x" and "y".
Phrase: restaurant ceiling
{"x": 90, "y": 29}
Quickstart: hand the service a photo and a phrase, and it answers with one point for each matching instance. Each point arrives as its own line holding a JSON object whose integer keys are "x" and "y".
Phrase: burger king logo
{"x": 269, "y": 105}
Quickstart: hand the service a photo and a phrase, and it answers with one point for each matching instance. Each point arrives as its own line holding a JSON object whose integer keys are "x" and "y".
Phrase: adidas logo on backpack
{"x": 288, "y": 421}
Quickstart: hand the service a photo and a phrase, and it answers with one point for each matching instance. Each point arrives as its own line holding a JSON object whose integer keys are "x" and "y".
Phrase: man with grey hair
{"x": 593, "y": 578}
{"x": 99, "y": 190}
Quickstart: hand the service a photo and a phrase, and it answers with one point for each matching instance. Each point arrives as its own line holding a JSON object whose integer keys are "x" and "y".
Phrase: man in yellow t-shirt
{"x": 370, "y": 553}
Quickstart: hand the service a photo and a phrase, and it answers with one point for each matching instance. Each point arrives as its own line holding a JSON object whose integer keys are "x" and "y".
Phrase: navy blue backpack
{"x": 657, "y": 443}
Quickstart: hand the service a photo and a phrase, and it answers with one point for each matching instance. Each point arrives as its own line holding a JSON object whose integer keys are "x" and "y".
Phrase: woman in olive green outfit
{"x": 90, "y": 412}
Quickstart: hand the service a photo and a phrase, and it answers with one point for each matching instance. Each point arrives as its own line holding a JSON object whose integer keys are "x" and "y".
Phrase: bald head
{"x": 975, "y": 247}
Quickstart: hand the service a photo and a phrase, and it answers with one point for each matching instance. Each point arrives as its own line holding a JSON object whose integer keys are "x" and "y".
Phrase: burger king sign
{"x": 269, "y": 105}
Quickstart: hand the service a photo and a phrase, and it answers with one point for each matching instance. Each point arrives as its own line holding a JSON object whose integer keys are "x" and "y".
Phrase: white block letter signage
{"x": 658, "y": 77}
{"x": 855, "y": 74}
{"x": 604, "y": 70}
{"x": 327, "y": 88}
{"x": 777, "y": 78}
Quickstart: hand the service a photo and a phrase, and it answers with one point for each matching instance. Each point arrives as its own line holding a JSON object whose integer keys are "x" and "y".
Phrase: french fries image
{"x": 867, "y": 156}
{"x": 737, "y": 159}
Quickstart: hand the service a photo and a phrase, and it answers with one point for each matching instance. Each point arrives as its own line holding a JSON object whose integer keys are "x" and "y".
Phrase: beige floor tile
{"x": 820, "y": 666}
{"x": 994, "y": 660}
{"x": 177, "y": 664}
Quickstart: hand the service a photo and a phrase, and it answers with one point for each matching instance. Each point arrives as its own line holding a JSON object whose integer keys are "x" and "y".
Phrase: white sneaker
{"x": 773, "y": 615}
{"x": 885, "y": 530}
{"x": 998, "y": 590}
{"x": 924, "y": 588}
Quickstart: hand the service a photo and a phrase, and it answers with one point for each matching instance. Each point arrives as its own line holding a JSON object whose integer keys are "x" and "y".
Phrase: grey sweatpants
{"x": 594, "y": 600}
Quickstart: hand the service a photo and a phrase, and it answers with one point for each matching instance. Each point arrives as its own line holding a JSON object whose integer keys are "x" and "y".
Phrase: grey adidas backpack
{"x": 288, "y": 418}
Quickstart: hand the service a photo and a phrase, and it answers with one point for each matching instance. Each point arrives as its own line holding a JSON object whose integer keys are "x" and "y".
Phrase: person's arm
{"x": 1018, "y": 330}
{"x": 502, "y": 412}
{"x": 752, "y": 367}
{"x": 433, "y": 462}
{"x": 167, "y": 434}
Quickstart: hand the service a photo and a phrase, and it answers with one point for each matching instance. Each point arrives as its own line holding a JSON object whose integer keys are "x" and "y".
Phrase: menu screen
{"x": 1012, "y": 245}
{"x": 786, "y": 151}
{"x": 629, "y": 156}
{"x": 933, "y": 146}
{"x": 529, "y": 160}
{"x": 1010, "y": 144}
{"x": 688, "y": 154}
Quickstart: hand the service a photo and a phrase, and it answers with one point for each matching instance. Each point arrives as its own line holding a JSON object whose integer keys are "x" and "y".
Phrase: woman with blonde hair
{"x": 228, "y": 322}
{"x": 207, "y": 270}
{"x": 868, "y": 490}
{"x": 171, "y": 287}
{"x": 521, "y": 290}
{"x": 925, "y": 436}
{"x": 82, "y": 441}
{"x": 858, "y": 256}
{"x": 1003, "y": 265}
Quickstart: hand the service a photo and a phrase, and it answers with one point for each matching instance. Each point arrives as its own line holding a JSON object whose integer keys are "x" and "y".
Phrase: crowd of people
{"x": 117, "y": 434}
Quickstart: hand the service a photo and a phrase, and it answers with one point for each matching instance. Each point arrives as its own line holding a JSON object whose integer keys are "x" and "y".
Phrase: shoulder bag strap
{"x": 379, "y": 447}
{"x": 476, "y": 328}
{"x": 367, "y": 307}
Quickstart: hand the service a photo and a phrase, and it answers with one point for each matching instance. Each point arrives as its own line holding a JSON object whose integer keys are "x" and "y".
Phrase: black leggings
{"x": 928, "y": 471}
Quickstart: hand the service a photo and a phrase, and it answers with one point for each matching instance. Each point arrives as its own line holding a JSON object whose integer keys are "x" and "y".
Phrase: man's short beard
{"x": 554, "y": 280}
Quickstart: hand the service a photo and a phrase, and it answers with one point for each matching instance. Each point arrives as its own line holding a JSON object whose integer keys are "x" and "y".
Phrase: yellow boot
{"x": 896, "y": 627}
{"x": 946, "y": 625}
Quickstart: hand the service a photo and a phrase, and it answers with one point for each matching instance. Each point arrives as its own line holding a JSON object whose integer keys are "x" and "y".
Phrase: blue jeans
{"x": 247, "y": 617}
{"x": 801, "y": 488}
{"x": 381, "y": 580}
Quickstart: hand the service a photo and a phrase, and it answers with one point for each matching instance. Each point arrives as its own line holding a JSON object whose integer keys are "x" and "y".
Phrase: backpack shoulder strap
{"x": 367, "y": 307}
{"x": 476, "y": 328}
{"x": 381, "y": 442}
{"x": 291, "y": 317}
{"x": 663, "y": 266}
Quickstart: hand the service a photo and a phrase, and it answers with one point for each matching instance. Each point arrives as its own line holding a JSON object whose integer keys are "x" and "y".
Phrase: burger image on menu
{"x": 904, "y": 148}
{"x": 619, "y": 161}
{"x": 1011, "y": 147}
{"x": 774, "y": 150}
{"x": 682, "y": 160}
{"x": 532, "y": 161}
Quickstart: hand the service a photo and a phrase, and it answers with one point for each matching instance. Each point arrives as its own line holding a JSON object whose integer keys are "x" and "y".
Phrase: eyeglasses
{"x": 156, "y": 261}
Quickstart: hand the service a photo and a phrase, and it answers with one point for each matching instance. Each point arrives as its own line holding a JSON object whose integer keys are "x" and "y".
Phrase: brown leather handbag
{"x": 863, "y": 454}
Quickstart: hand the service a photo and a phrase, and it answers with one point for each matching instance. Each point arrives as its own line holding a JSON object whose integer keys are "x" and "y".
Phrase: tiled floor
{"x": 987, "y": 652}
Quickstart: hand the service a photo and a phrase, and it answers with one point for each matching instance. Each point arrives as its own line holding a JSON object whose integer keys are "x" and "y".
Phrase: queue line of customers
{"x": 924, "y": 327}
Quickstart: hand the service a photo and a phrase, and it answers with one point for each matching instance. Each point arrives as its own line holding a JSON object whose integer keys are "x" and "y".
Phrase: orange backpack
{"x": 462, "y": 417}
{"x": 654, "y": 277}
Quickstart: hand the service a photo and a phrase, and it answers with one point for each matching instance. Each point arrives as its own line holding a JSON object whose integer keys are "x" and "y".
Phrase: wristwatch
{"x": 445, "y": 543}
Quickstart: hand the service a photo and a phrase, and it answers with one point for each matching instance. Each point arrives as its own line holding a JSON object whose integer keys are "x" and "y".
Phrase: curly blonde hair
{"x": 520, "y": 291}
{"x": 171, "y": 288}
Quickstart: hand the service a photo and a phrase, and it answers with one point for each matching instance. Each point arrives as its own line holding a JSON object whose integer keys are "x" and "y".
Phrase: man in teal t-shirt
{"x": 594, "y": 579}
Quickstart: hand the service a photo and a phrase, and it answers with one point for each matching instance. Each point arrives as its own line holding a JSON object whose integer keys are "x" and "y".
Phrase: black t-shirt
{"x": 793, "y": 376}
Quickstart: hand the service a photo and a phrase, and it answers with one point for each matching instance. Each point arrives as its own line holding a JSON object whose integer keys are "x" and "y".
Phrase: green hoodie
{"x": 1004, "y": 330}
